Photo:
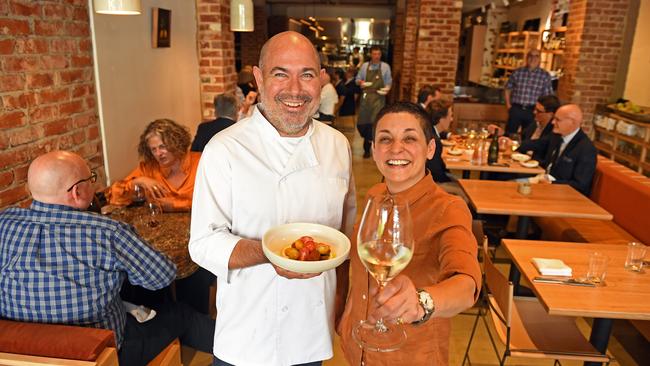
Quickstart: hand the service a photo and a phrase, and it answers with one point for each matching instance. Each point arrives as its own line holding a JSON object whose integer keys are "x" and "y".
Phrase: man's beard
{"x": 288, "y": 123}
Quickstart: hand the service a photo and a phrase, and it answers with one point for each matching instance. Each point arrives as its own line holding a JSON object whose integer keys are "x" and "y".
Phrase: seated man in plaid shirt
{"x": 61, "y": 264}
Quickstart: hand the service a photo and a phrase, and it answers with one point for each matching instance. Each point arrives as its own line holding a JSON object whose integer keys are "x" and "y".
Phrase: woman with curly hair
{"x": 166, "y": 171}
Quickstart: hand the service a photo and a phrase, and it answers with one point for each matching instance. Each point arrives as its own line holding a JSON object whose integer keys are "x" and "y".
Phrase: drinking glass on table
{"x": 385, "y": 244}
{"x": 139, "y": 195}
{"x": 155, "y": 211}
{"x": 515, "y": 141}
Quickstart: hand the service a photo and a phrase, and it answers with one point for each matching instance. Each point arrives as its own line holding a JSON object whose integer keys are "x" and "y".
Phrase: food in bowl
{"x": 306, "y": 249}
{"x": 519, "y": 157}
{"x": 279, "y": 238}
{"x": 448, "y": 142}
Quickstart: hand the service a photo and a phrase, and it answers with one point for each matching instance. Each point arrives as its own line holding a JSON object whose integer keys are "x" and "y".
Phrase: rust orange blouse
{"x": 121, "y": 192}
{"x": 444, "y": 246}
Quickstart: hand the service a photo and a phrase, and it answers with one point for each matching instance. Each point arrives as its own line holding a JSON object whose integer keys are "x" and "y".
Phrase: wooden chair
{"x": 35, "y": 344}
{"x": 524, "y": 326}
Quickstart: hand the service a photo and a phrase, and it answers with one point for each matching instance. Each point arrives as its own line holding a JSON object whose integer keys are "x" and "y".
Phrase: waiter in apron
{"x": 375, "y": 79}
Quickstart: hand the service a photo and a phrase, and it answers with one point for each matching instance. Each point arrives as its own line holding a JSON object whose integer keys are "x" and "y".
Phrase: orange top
{"x": 444, "y": 247}
{"x": 121, "y": 192}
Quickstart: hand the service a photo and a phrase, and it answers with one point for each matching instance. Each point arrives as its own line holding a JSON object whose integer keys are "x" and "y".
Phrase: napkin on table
{"x": 551, "y": 267}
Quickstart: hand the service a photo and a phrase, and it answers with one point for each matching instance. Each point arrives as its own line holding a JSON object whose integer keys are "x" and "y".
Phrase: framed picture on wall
{"x": 162, "y": 27}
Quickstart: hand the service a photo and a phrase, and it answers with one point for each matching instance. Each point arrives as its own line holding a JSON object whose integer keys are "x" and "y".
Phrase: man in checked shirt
{"x": 61, "y": 264}
{"x": 524, "y": 86}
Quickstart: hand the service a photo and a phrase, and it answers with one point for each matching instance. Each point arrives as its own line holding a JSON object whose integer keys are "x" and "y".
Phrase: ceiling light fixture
{"x": 118, "y": 7}
{"x": 241, "y": 16}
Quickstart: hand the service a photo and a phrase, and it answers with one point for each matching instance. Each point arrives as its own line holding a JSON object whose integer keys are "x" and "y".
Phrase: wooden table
{"x": 462, "y": 162}
{"x": 625, "y": 295}
{"x": 170, "y": 237}
{"x": 545, "y": 200}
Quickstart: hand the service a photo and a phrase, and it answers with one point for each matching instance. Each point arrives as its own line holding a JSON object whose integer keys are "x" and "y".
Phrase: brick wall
{"x": 436, "y": 47}
{"x": 397, "y": 37}
{"x": 47, "y": 93}
{"x": 594, "y": 42}
{"x": 252, "y": 42}
{"x": 407, "y": 67}
{"x": 216, "y": 52}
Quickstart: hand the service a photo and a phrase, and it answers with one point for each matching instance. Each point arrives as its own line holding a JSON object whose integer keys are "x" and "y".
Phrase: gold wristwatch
{"x": 425, "y": 300}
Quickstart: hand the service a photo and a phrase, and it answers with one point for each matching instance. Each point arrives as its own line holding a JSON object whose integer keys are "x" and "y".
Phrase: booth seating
{"x": 626, "y": 195}
{"x": 619, "y": 190}
{"x": 23, "y": 343}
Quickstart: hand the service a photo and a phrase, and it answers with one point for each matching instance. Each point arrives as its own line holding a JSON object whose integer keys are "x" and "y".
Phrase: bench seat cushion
{"x": 583, "y": 231}
{"x": 54, "y": 340}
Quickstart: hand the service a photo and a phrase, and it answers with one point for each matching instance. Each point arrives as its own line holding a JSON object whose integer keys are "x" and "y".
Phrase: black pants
{"x": 519, "y": 116}
{"x": 195, "y": 290}
{"x": 143, "y": 341}
{"x": 365, "y": 131}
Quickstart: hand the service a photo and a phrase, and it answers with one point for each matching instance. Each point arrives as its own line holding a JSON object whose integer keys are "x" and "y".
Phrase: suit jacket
{"x": 206, "y": 130}
{"x": 436, "y": 165}
{"x": 577, "y": 163}
{"x": 539, "y": 147}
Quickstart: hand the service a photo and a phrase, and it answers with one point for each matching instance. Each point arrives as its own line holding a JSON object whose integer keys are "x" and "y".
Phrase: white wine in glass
{"x": 385, "y": 244}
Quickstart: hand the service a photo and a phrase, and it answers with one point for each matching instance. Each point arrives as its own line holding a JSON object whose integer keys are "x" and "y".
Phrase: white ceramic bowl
{"x": 519, "y": 157}
{"x": 530, "y": 163}
{"x": 276, "y": 239}
{"x": 455, "y": 152}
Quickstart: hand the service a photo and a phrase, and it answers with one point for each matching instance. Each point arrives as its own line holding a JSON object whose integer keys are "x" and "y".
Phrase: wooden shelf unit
{"x": 631, "y": 151}
{"x": 513, "y": 48}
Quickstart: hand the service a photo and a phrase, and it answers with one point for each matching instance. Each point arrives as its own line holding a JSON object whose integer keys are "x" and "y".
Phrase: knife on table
{"x": 560, "y": 281}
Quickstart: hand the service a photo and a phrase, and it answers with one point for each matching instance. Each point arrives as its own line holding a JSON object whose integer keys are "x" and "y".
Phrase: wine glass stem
{"x": 380, "y": 327}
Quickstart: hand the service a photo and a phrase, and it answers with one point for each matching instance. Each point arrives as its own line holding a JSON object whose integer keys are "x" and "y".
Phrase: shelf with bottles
{"x": 622, "y": 139}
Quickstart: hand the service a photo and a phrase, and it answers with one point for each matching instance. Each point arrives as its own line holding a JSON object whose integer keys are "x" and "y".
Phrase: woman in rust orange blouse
{"x": 443, "y": 277}
{"x": 167, "y": 170}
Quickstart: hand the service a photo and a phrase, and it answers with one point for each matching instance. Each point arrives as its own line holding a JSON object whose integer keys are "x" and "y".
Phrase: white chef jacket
{"x": 328, "y": 99}
{"x": 249, "y": 181}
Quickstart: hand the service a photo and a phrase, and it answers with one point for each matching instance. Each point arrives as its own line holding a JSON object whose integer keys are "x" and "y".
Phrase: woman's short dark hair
{"x": 176, "y": 138}
{"x": 438, "y": 109}
{"x": 411, "y": 108}
{"x": 551, "y": 103}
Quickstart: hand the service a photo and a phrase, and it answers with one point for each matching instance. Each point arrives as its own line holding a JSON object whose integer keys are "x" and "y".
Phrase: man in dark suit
{"x": 225, "y": 110}
{"x": 571, "y": 156}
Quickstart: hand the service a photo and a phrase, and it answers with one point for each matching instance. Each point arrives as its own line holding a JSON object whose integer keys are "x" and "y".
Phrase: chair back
{"x": 499, "y": 287}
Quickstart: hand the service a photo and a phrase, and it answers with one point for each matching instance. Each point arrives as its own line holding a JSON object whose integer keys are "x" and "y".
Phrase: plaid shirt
{"x": 527, "y": 85}
{"x": 62, "y": 265}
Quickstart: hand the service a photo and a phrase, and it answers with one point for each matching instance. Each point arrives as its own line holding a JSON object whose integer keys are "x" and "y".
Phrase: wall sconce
{"x": 241, "y": 16}
{"x": 118, "y": 7}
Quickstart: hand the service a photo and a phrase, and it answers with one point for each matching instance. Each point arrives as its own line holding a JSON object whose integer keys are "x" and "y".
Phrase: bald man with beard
{"x": 61, "y": 264}
{"x": 571, "y": 156}
{"x": 278, "y": 166}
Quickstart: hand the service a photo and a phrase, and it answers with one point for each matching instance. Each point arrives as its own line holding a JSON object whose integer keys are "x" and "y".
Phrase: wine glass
{"x": 139, "y": 195}
{"x": 155, "y": 211}
{"x": 515, "y": 141}
{"x": 385, "y": 245}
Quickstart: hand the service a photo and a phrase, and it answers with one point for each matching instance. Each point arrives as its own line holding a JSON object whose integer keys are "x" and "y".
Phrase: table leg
{"x": 601, "y": 329}
{"x": 522, "y": 233}
{"x": 466, "y": 174}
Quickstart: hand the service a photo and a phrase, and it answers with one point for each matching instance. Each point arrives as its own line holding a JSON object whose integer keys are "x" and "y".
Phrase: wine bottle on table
{"x": 493, "y": 151}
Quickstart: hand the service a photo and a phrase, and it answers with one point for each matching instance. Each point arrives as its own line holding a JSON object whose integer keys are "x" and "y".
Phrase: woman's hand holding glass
{"x": 398, "y": 300}
{"x": 153, "y": 188}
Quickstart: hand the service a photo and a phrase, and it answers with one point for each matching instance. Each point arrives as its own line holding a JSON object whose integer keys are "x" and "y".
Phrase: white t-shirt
{"x": 328, "y": 99}
{"x": 249, "y": 180}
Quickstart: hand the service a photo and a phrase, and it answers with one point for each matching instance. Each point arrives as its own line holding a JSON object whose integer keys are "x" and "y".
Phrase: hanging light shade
{"x": 241, "y": 16}
{"x": 118, "y": 7}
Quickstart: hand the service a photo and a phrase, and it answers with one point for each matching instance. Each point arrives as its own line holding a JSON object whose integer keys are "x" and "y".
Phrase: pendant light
{"x": 118, "y": 7}
{"x": 241, "y": 16}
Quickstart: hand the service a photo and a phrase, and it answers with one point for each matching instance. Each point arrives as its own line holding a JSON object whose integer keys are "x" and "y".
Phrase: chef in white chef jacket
{"x": 278, "y": 166}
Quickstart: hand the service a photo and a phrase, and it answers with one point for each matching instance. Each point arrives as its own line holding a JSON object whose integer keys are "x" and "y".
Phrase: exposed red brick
{"x": 44, "y": 113}
{"x": 69, "y": 77}
{"x": 57, "y": 11}
{"x": 39, "y": 80}
{"x": 59, "y": 45}
{"x": 46, "y": 28}
{"x": 53, "y": 96}
{"x": 20, "y": 101}
{"x": 6, "y": 179}
{"x": 13, "y": 26}
{"x": 11, "y": 82}
{"x": 25, "y": 8}
{"x": 7, "y": 46}
{"x": 66, "y": 109}
{"x": 58, "y": 127}
{"x": 21, "y": 64}
{"x": 77, "y": 28}
{"x": 31, "y": 45}
{"x": 81, "y": 61}
{"x": 54, "y": 62}
{"x": 12, "y": 195}
{"x": 24, "y": 135}
{"x": 13, "y": 157}
{"x": 20, "y": 173}
{"x": 12, "y": 119}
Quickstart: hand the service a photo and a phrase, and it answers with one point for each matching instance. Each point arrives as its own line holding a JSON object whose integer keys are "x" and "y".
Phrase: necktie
{"x": 554, "y": 156}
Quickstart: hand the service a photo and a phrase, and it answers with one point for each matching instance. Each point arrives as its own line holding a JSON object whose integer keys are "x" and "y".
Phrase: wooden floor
{"x": 482, "y": 353}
